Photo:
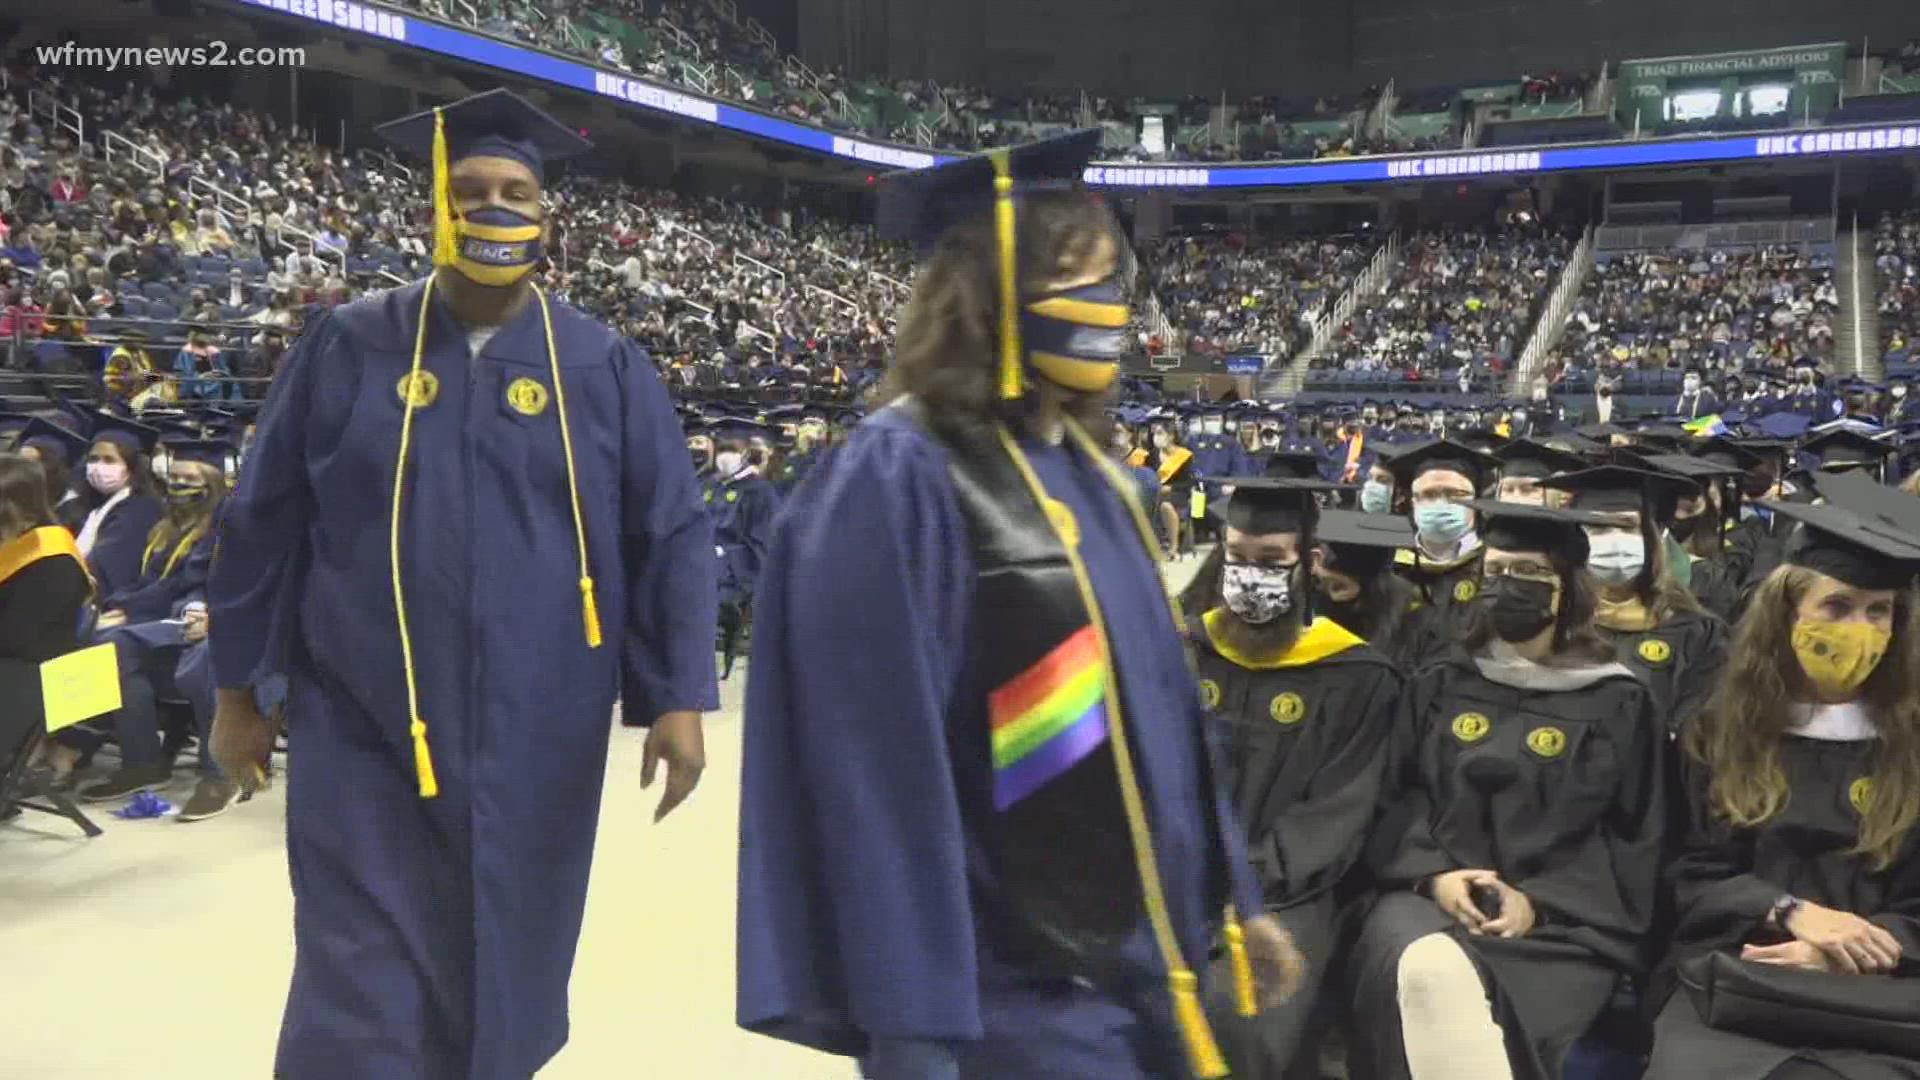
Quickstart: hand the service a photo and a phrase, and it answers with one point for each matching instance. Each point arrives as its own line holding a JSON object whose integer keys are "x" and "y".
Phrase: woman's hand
{"x": 1797, "y": 954}
{"x": 1516, "y": 913}
{"x": 1852, "y": 944}
{"x": 110, "y": 619}
{"x": 1453, "y": 891}
{"x": 1278, "y": 966}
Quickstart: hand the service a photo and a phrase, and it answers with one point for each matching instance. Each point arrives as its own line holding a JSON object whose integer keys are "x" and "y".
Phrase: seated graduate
{"x": 146, "y": 623}
{"x": 1803, "y": 786}
{"x": 1305, "y": 707}
{"x": 1524, "y": 467}
{"x": 1656, "y": 627}
{"x": 57, "y": 451}
{"x": 43, "y": 586}
{"x": 117, "y": 506}
{"x": 1443, "y": 564}
{"x": 980, "y": 832}
{"x": 1354, "y": 582}
{"x": 215, "y": 792}
{"x": 1522, "y": 834}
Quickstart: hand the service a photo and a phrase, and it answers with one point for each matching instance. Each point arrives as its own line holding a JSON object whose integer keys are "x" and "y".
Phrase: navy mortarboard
{"x": 131, "y": 436}
{"x": 43, "y": 436}
{"x": 216, "y": 453}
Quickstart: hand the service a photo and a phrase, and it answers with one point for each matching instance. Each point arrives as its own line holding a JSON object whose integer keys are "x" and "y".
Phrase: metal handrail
{"x": 220, "y": 197}
{"x": 319, "y": 250}
{"x": 680, "y": 37}
{"x": 833, "y": 256}
{"x": 1369, "y": 281}
{"x": 673, "y": 226}
{"x": 739, "y": 258}
{"x": 57, "y": 113}
{"x": 1553, "y": 318}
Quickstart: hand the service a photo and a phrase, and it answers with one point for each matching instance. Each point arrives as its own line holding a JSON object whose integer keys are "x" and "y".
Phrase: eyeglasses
{"x": 1525, "y": 570}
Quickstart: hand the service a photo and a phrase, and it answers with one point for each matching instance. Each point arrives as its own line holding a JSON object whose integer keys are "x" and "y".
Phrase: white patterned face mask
{"x": 1257, "y": 594}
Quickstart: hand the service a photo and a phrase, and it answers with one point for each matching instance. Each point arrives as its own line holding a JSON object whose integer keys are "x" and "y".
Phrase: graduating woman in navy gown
{"x": 116, "y": 507}
{"x": 981, "y": 836}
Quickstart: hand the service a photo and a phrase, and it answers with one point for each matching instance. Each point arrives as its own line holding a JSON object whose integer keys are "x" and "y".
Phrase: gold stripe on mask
{"x": 486, "y": 274}
{"x": 1081, "y": 312}
{"x": 502, "y": 234}
{"x": 1073, "y": 372}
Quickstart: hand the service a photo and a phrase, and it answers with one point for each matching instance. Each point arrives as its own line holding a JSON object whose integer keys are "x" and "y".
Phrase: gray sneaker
{"x": 123, "y": 782}
{"x": 211, "y": 798}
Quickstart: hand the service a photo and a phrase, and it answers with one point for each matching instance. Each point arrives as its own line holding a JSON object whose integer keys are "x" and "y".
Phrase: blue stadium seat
{"x": 157, "y": 290}
{"x": 162, "y": 310}
{"x": 133, "y": 306}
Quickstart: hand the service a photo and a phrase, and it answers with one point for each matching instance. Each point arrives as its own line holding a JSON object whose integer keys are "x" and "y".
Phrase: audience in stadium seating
{"x": 1896, "y": 255}
{"x": 1236, "y": 293}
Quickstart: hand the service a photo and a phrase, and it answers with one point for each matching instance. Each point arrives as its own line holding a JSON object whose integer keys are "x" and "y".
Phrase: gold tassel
{"x": 1009, "y": 257}
{"x": 423, "y": 761}
{"x": 443, "y": 239}
{"x": 1203, "y": 1054}
{"x": 591, "y": 610}
{"x": 1244, "y": 998}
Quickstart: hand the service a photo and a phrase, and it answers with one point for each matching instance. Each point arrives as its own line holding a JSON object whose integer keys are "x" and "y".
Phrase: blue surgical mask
{"x": 1376, "y": 497}
{"x": 1441, "y": 523}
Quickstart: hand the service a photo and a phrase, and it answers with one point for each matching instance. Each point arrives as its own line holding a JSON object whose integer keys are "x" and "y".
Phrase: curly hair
{"x": 946, "y": 352}
{"x": 1737, "y": 736}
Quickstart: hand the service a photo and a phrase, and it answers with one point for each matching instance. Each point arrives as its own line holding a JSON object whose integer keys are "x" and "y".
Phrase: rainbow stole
{"x": 1048, "y": 718}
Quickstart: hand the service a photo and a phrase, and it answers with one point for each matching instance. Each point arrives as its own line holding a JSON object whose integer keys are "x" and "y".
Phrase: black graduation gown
{"x": 1680, "y": 661}
{"x": 120, "y": 541}
{"x": 1577, "y": 824}
{"x": 1725, "y": 880}
{"x": 1443, "y": 593}
{"x": 1714, "y": 583}
{"x": 1754, "y": 547}
{"x": 1305, "y": 738}
{"x": 39, "y": 616}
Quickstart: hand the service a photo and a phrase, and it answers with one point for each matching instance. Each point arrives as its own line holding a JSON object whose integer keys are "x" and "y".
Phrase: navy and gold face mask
{"x": 494, "y": 245}
{"x": 1076, "y": 337}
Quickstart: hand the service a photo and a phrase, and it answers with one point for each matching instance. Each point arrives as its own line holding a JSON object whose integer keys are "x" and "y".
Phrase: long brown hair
{"x": 23, "y": 496}
{"x": 170, "y": 537}
{"x": 946, "y": 350}
{"x": 1737, "y": 736}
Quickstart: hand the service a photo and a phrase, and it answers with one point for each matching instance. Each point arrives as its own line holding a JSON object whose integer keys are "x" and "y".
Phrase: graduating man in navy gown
{"x": 467, "y": 525}
{"x": 981, "y": 836}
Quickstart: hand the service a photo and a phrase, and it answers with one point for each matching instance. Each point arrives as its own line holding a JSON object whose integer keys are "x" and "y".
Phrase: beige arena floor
{"x": 194, "y": 922}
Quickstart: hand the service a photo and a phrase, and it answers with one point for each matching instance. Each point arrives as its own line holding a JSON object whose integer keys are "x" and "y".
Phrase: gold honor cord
{"x": 1246, "y": 1002}
{"x": 590, "y": 611}
{"x": 179, "y": 550}
{"x": 1008, "y": 253}
{"x": 1203, "y": 1053}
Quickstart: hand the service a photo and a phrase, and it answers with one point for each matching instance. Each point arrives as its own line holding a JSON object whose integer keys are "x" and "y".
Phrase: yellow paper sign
{"x": 80, "y": 686}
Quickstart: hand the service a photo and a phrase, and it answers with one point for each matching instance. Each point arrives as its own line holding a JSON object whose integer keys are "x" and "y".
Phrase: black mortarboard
{"x": 1604, "y": 431}
{"x": 1724, "y": 451}
{"x": 1617, "y": 489}
{"x": 1294, "y": 464}
{"x": 1843, "y": 448}
{"x": 1262, "y": 505}
{"x": 1662, "y": 435}
{"x": 919, "y": 205}
{"x": 1531, "y": 460}
{"x": 497, "y": 123}
{"x": 1862, "y": 494}
{"x": 12, "y": 423}
{"x": 131, "y": 436}
{"x": 214, "y": 452}
{"x": 1484, "y": 440}
{"x": 1361, "y": 545}
{"x": 736, "y": 427}
{"x": 1574, "y": 444}
{"x": 46, "y": 436}
{"x": 1864, "y": 552}
{"x": 1524, "y": 527}
{"x": 1408, "y": 465}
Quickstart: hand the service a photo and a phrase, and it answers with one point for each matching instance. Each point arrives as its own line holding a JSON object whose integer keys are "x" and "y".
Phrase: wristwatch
{"x": 1783, "y": 909}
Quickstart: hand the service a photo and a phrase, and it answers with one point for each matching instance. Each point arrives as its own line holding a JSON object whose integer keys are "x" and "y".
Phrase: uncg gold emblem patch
{"x": 1465, "y": 591}
{"x": 1061, "y": 516}
{"x": 1209, "y": 694}
{"x": 527, "y": 397}
{"x": 1548, "y": 742}
{"x": 1655, "y": 651}
{"x": 1860, "y": 794}
{"x": 1287, "y": 708}
{"x": 733, "y": 496}
{"x": 1471, "y": 727}
{"x": 418, "y": 388}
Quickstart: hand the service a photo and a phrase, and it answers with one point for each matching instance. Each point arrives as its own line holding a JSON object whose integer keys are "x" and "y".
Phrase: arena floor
{"x": 161, "y": 951}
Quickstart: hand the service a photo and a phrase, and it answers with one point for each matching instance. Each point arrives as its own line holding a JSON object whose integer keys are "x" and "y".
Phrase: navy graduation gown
{"x": 743, "y": 511}
{"x": 160, "y": 590}
{"x": 866, "y": 793}
{"x": 434, "y": 938}
{"x": 117, "y": 546}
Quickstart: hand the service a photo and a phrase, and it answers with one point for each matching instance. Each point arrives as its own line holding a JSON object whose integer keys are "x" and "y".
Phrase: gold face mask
{"x": 1837, "y": 657}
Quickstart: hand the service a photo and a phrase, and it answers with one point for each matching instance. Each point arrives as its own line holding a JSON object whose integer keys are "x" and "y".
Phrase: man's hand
{"x": 1278, "y": 966}
{"x": 242, "y": 739}
{"x": 1453, "y": 891}
{"x": 1788, "y": 954}
{"x": 1516, "y": 913}
{"x": 675, "y": 738}
{"x": 194, "y": 625}
{"x": 1852, "y": 944}
{"x": 110, "y": 619}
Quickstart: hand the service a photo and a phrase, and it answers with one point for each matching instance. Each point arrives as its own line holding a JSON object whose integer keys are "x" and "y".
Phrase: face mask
{"x": 1376, "y": 497}
{"x": 1604, "y": 390}
{"x": 107, "y": 477}
{"x": 1690, "y": 385}
{"x": 1257, "y": 594}
{"x": 1518, "y": 610}
{"x": 1838, "y": 657}
{"x": 1616, "y": 557}
{"x": 1683, "y": 529}
{"x": 1163, "y": 439}
{"x": 728, "y": 462}
{"x": 1210, "y": 427}
{"x": 1440, "y": 523}
{"x": 1899, "y": 391}
{"x": 1075, "y": 338}
{"x": 184, "y": 496}
{"x": 495, "y": 246}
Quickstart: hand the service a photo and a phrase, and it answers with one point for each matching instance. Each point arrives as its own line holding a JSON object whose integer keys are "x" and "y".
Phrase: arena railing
{"x": 45, "y": 105}
{"x": 116, "y": 146}
{"x": 1552, "y": 323}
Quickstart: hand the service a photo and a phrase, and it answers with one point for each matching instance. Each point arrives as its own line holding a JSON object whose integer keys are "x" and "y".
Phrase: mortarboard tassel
{"x": 1008, "y": 250}
{"x": 444, "y": 248}
{"x": 1244, "y": 998}
{"x": 589, "y": 608}
{"x": 1203, "y": 1054}
{"x": 422, "y": 758}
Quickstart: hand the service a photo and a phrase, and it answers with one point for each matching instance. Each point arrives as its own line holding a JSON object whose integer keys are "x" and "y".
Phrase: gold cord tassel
{"x": 1244, "y": 998}
{"x": 1203, "y": 1054}
{"x": 443, "y": 240}
{"x": 1007, "y": 241}
{"x": 591, "y": 611}
{"x": 423, "y": 761}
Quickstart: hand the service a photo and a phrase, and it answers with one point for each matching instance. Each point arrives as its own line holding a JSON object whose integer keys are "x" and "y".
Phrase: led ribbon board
{"x": 409, "y": 30}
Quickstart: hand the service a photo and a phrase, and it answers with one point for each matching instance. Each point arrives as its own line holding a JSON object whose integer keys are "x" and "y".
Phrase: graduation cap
{"x": 1361, "y": 545}
{"x": 1261, "y": 505}
{"x": 497, "y": 123}
{"x": 1619, "y": 489}
{"x": 738, "y": 427}
{"x": 1728, "y": 453}
{"x": 1294, "y": 464}
{"x": 47, "y": 437}
{"x": 213, "y": 452}
{"x": 1844, "y": 448}
{"x": 922, "y": 205}
{"x": 1574, "y": 444}
{"x": 1524, "y": 527}
{"x": 130, "y": 436}
{"x": 12, "y": 423}
{"x": 1410, "y": 464}
{"x": 1528, "y": 459}
{"x": 1866, "y": 552}
{"x": 1781, "y": 425}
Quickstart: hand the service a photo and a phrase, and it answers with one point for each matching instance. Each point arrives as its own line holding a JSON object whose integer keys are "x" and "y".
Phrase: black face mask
{"x": 1519, "y": 610}
{"x": 1683, "y": 529}
{"x": 1755, "y": 485}
{"x": 1347, "y": 613}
